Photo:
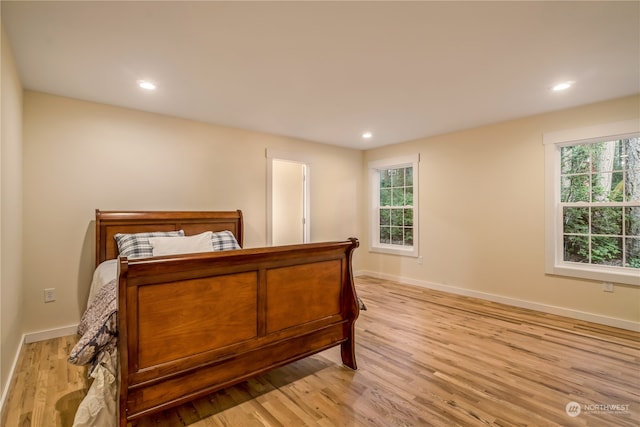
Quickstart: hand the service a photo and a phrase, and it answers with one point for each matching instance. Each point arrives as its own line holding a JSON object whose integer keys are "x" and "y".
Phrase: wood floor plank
{"x": 426, "y": 358}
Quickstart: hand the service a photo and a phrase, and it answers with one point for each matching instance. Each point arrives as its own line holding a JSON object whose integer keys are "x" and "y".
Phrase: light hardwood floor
{"x": 425, "y": 358}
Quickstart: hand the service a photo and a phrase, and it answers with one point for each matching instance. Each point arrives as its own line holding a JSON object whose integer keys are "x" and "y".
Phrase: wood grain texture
{"x": 302, "y": 293}
{"x": 426, "y": 358}
{"x": 195, "y": 316}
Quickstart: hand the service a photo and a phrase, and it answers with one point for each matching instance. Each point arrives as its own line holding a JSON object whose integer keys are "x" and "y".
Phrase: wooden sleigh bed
{"x": 192, "y": 324}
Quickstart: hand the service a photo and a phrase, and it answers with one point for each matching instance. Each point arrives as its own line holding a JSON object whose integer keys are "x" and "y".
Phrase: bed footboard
{"x": 193, "y": 324}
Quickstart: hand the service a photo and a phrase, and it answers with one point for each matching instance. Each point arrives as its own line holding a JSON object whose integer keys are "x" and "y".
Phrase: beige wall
{"x": 80, "y": 156}
{"x": 482, "y": 214}
{"x": 11, "y": 312}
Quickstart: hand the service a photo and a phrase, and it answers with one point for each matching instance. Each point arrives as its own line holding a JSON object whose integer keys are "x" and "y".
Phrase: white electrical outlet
{"x": 607, "y": 286}
{"x": 49, "y": 294}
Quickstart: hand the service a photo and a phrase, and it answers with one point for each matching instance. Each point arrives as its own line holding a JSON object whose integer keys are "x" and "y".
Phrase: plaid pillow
{"x": 224, "y": 241}
{"x": 137, "y": 245}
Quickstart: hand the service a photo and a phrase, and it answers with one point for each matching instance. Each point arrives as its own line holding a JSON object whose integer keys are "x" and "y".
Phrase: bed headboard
{"x": 108, "y": 223}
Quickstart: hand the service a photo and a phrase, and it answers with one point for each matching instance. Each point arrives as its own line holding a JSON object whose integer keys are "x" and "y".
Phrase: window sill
{"x": 599, "y": 273}
{"x": 395, "y": 250}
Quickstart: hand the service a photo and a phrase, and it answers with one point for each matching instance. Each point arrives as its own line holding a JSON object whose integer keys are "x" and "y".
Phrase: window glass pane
{"x": 576, "y": 220}
{"x": 605, "y": 156}
{"x": 575, "y": 159}
{"x": 408, "y": 217}
{"x": 619, "y": 161}
{"x": 631, "y": 147}
{"x": 397, "y": 236}
{"x": 397, "y": 177}
{"x": 385, "y": 178}
{"x": 633, "y": 252}
{"x": 606, "y": 221}
{"x": 632, "y": 185}
{"x": 606, "y": 250}
{"x": 397, "y": 199}
{"x": 396, "y": 217}
{"x": 607, "y": 187}
{"x": 385, "y": 234}
{"x": 408, "y": 196}
{"x": 632, "y": 220}
{"x": 576, "y": 249}
{"x": 631, "y": 161}
{"x": 385, "y": 217}
{"x": 408, "y": 176}
{"x": 408, "y": 236}
{"x": 575, "y": 188}
{"x": 617, "y": 186}
{"x": 385, "y": 197}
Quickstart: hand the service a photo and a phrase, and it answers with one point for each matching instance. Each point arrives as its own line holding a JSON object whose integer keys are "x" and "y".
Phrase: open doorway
{"x": 287, "y": 199}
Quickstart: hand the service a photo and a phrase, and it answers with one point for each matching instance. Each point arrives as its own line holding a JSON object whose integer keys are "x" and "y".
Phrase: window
{"x": 593, "y": 203}
{"x": 394, "y": 201}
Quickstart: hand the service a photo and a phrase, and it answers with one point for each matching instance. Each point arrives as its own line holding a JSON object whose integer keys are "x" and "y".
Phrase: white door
{"x": 287, "y": 202}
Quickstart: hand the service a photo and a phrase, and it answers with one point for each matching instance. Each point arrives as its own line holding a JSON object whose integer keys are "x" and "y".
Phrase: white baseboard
{"x": 50, "y": 333}
{"x": 560, "y": 311}
{"x": 12, "y": 372}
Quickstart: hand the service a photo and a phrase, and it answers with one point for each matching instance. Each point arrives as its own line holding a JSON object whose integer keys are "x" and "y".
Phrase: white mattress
{"x": 104, "y": 273}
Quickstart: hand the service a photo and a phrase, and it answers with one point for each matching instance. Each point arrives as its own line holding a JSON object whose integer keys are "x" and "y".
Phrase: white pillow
{"x": 137, "y": 245}
{"x": 181, "y": 245}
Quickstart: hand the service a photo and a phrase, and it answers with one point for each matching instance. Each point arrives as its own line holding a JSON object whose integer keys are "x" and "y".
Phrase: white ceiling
{"x": 327, "y": 71}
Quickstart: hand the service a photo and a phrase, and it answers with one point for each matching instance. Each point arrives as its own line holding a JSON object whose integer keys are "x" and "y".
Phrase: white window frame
{"x": 554, "y": 262}
{"x": 374, "y": 182}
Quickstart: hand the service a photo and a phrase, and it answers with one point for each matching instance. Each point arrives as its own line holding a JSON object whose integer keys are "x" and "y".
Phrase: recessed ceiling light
{"x": 146, "y": 84}
{"x": 562, "y": 86}
{"x": 367, "y": 135}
